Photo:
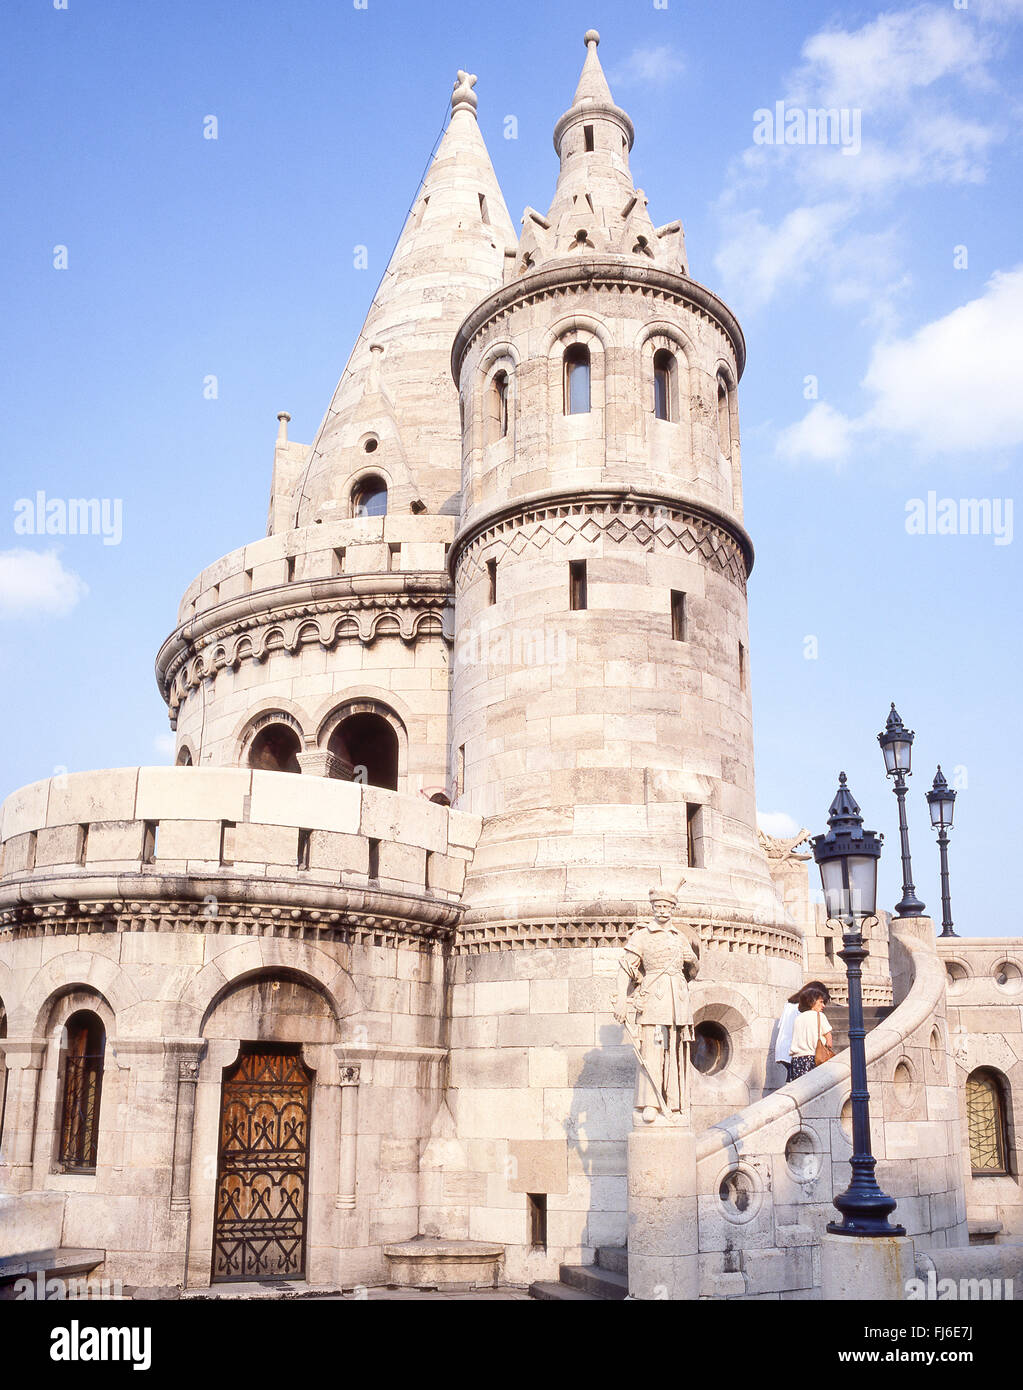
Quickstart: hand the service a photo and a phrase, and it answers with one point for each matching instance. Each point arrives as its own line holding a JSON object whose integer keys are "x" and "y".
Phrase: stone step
{"x": 838, "y": 1016}
{"x": 561, "y": 1293}
{"x": 601, "y": 1283}
{"x": 614, "y": 1258}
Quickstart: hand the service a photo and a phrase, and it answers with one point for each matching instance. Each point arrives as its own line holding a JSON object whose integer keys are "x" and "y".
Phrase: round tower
{"x": 601, "y": 718}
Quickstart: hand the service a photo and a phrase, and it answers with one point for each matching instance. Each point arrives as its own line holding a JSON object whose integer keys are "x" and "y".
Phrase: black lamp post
{"x": 897, "y": 746}
{"x": 942, "y": 800}
{"x": 847, "y": 857}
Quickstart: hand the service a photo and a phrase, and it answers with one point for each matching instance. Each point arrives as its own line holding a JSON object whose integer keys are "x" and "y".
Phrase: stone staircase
{"x": 838, "y": 1017}
{"x": 605, "y": 1281}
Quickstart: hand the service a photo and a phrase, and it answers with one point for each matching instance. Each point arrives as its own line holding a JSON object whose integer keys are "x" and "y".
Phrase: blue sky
{"x": 880, "y": 289}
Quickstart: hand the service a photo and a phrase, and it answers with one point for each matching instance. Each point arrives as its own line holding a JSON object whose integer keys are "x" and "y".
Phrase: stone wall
{"x": 184, "y": 956}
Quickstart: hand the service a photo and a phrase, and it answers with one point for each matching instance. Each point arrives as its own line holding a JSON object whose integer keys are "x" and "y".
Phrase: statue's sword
{"x": 634, "y": 1039}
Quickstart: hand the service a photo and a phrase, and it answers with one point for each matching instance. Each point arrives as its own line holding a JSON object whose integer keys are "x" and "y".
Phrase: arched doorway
{"x": 366, "y": 746}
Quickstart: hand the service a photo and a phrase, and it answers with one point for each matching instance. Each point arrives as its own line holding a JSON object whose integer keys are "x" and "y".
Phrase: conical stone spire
{"x": 597, "y": 209}
{"x": 396, "y": 393}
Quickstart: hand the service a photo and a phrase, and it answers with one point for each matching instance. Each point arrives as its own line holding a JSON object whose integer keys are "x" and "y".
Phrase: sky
{"x": 877, "y": 273}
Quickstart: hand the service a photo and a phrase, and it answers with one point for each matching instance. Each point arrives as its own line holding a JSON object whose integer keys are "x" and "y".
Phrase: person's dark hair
{"x": 811, "y": 984}
{"x": 808, "y": 996}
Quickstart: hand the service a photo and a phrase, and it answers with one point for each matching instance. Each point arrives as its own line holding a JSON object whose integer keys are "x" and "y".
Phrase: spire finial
{"x": 283, "y": 419}
{"x": 463, "y": 98}
{"x": 591, "y": 36}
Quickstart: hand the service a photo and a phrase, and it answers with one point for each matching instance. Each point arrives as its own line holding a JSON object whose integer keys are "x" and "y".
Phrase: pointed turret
{"x": 596, "y": 208}
{"x": 395, "y": 407}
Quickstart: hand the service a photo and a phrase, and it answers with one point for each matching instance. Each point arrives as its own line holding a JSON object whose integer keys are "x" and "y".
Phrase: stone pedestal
{"x": 663, "y": 1234}
{"x": 873, "y": 1268}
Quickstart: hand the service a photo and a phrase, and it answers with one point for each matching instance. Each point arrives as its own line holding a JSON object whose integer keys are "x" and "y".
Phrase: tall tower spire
{"x": 451, "y": 253}
{"x": 596, "y": 207}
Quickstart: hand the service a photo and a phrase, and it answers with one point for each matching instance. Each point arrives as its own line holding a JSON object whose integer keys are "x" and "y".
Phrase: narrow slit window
{"x": 83, "y": 845}
{"x": 694, "y": 835}
{"x": 664, "y": 385}
{"x": 484, "y": 215}
{"x": 227, "y": 829}
{"x": 678, "y": 615}
{"x": 577, "y": 379}
{"x": 577, "y": 584}
{"x": 724, "y": 423}
{"x": 290, "y": 568}
{"x": 492, "y": 582}
{"x": 497, "y": 408}
{"x": 150, "y": 839}
{"x": 394, "y": 556}
{"x": 536, "y": 1215}
{"x": 374, "y": 858}
{"x": 339, "y": 560}
{"x": 588, "y": 138}
{"x": 742, "y": 667}
{"x": 305, "y": 840}
{"x": 460, "y": 771}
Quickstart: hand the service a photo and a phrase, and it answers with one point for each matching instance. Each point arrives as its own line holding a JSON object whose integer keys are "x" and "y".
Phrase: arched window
{"x": 665, "y": 389}
{"x": 986, "y": 1123}
{"x": 497, "y": 408}
{"x": 275, "y": 749}
{"x": 367, "y": 748}
{"x": 80, "y": 1092}
{"x": 184, "y": 758}
{"x": 724, "y": 422}
{"x": 369, "y": 497}
{"x": 577, "y": 379}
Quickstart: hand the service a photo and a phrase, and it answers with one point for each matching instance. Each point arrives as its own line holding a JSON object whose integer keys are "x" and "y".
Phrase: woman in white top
{"x": 783, "y": 1040}
{"x": 810, "y": 1027}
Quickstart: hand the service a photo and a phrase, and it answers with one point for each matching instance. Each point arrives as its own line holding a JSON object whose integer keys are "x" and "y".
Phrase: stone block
{"x": 538, "y": 1165}
{"x": 87, "y": 796}
{"x": 309, "y": 803}
{"x": 187, "y": 839}
{"x": 61, "y": 844}
{"x": 872, "y": 1269}
{"x": 189, "y": 793}
{"x": 344, "y": 854}
{"x": 405, "y": 863}
{"x": 112, "y": 840}
{"x": 777, "y": 1271}
{"x": 24, "y": 809}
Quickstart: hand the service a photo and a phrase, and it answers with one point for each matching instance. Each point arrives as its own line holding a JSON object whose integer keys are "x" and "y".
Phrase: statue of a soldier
{"x": 656, "y": 966}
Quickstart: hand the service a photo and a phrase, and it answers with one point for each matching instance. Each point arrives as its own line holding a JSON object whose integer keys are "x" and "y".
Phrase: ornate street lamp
{"x": 847, "y": 857}
{"x": 942, "y": 801}
{"x": 897, "y": 746}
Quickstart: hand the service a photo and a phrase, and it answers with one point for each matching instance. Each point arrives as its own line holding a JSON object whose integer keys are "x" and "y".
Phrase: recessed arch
{"x": 988, "y": 1122}
{"x": 369, "y": 496}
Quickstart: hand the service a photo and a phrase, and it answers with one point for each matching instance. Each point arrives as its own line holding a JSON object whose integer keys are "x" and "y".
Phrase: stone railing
{"x": 158, "y": 848}
{"x": 371, "y": 544}
{"x": 767, "y": 1175}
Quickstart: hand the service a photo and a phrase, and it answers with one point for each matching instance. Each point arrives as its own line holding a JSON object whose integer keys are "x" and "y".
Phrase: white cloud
{"x": 757, "y": 259}
{"x": 778, "y": 823}
{"x": 655, "y": 66}
{"x": 886, "y": 62}
{"x": 824, "y": 435}
{"x": 35, "y": 582}
{"x": 954, "y": 385}
{"x": 165, "y": 744}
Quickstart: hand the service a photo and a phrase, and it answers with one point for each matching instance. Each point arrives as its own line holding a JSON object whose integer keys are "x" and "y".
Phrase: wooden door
{"x": 259, "y": 1226}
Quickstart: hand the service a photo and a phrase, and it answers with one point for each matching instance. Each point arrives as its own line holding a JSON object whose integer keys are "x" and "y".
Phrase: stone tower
{"x": 601, "y": 718}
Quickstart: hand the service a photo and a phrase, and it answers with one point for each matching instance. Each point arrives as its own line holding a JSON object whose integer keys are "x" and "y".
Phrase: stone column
{"x": 317, "y": 762}
{"x": 664, "y": 1242}
{"x": 872, "y": 1268}
{"x": 186, "y": 1054}
{"x": 24, "y": 1059}
{"x": 348, "y": 1167}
